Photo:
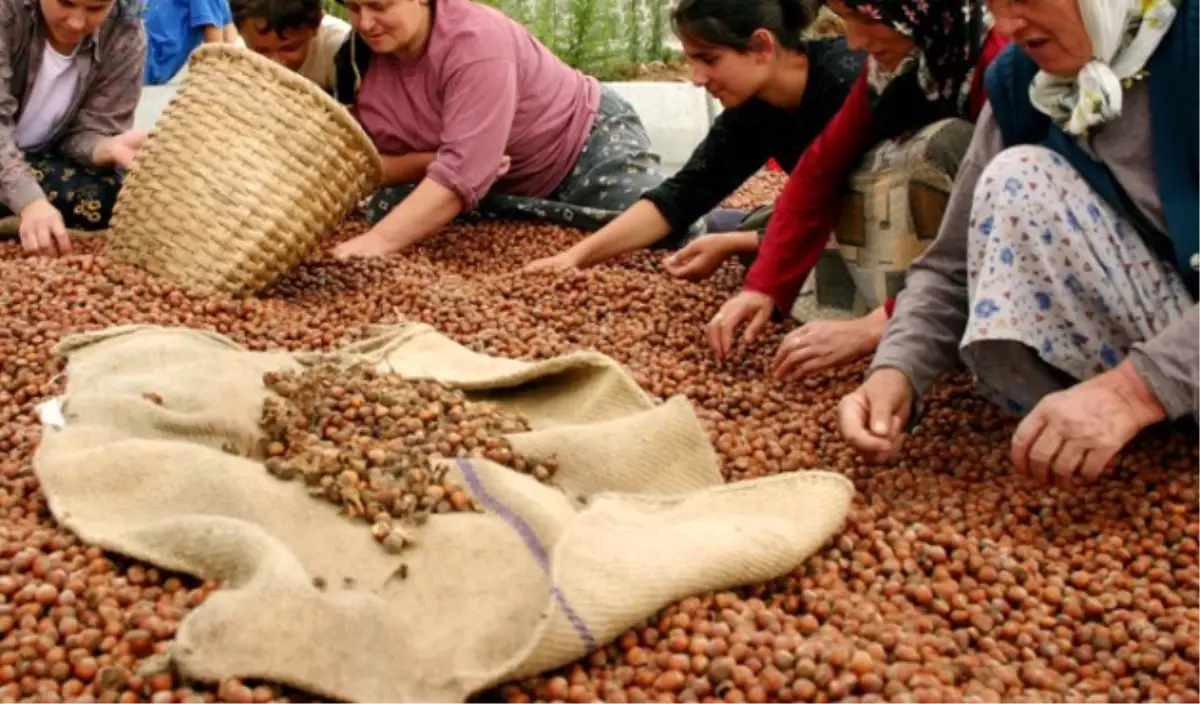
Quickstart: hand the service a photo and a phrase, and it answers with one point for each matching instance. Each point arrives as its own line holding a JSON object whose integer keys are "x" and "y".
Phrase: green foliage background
{"x": 603, "y": 38}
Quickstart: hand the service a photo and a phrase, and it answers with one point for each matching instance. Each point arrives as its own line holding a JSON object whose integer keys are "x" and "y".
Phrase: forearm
{"x": 425, "y": 211}
{"x": 406, "y": 168}
{"x": 1168, "y": 366}
{"x": 18, "y": 186}
{"x": 637, "y": 228}
{"x": 921, "y": 339}
{"x": 230, "y": 33}
{"x": 213, "y": 34}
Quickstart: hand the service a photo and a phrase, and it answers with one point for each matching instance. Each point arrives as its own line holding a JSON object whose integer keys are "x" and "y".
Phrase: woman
{"x": 447, "y": 89}
{"x": 1068, "y": 257}
{"x": 927, "y": 59}
{"x": 72, "y": 78}
{"x": 778, "y": 91}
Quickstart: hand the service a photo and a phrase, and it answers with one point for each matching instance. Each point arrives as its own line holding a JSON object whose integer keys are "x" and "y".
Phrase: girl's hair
{"x": 731, "y": 23}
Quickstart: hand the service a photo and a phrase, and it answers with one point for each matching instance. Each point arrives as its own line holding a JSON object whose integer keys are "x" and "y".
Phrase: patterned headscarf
{"x": 949, "y": 37}
{"x": 1124, "y": 34}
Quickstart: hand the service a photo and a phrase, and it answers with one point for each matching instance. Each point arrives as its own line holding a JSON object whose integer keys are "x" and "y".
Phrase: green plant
{"x": 602, "y": 38}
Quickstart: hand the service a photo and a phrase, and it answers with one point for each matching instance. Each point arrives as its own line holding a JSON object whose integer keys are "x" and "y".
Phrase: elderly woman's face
{"x": 1050, "y": 31}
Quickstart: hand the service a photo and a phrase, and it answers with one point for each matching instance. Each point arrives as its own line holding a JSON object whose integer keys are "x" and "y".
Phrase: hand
{"x": 823, "y": 344}
{"x": 700, "y": 257}
{"x": 748, "y": 306}
{"x": 120, "y": 150}
{"x": 505, "y": 165}
{"x": 42, "y": 229}
{"x": 563, "y": 261}
{"x": 373, "y": 243}
{"x": 873, "y": 416}
{"x": 1078, "y": 431}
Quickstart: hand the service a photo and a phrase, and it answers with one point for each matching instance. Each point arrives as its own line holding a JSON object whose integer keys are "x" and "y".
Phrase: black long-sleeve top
{"x": 742, "y": 138}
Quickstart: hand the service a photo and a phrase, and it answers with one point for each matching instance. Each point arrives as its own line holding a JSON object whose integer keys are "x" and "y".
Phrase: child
{"x": 174, "y": 28}
{"x": 296, "y": 34}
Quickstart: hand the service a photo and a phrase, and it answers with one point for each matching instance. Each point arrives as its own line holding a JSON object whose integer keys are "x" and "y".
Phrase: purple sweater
{"x": 484, "y": 87}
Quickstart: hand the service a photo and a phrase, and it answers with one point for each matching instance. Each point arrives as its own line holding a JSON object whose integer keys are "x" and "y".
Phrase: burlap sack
{"x": 536, "y": 581}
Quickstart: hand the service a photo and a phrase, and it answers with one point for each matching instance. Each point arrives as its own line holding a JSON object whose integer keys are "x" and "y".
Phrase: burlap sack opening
{"x": 536, "y": 581}
{"x": 247, "y": 170}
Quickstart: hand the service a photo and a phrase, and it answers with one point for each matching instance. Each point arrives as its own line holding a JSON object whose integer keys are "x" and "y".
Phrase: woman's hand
{"x": 873, "y": 416}
{"x": 42, "y": 229}
{"x": 563, "y": 261}
{"x": 701, "y": 257}
{"x": 119, "y": 151}
{"x": 1078, "y": 431}
{"x": 747, "y": 307}
{"x": 823, "y": 344}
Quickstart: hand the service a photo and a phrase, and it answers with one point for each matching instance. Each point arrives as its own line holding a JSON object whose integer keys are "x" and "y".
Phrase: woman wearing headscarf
{"x": 70, "y": 80}
{"x": 1065, "y": 271}
{"x": 926, "y": 64}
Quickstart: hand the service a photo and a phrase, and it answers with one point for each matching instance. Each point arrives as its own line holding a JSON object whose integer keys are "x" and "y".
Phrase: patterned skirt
{"x": 1061, "y": 286}
{"x": 84, "y": 196}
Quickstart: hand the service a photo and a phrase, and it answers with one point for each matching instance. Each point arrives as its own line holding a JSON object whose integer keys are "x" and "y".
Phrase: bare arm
{"x": 406, "y": 168}
{"x": 425, "y": 211}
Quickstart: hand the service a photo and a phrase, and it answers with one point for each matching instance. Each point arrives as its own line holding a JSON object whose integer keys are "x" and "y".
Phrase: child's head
{"x": 280, "y": 30}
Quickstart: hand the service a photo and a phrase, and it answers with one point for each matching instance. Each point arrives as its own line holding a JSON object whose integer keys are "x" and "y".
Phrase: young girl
{"x": 73, "y": 72}
{"x": 778, "y": 91}
{"x": 928, "y": 59}
{"x": 454, "y": 94}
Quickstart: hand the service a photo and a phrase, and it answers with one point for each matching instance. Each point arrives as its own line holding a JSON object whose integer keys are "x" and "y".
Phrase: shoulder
{"x": 471, "y": 31}
{"x": 16, "y": 19}
{"x": 125, "y": 34}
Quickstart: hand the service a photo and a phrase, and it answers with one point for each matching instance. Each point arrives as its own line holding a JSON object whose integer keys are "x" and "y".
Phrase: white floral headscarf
{"x": 1124, "y": 34}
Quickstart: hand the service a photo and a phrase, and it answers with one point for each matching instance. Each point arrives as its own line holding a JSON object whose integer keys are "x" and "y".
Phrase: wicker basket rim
{"x": 294, "y": 81}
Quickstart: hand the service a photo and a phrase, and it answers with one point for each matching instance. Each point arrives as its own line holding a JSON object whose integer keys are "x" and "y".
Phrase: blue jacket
{"x": 1174, "y": 82}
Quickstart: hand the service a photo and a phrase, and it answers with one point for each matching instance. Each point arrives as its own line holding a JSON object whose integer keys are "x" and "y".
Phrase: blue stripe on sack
{"x": 532, "y": 543}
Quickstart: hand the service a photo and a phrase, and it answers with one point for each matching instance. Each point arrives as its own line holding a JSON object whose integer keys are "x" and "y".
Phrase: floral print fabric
{"x": 1052, "y": 267}
{"x": 84, "y": 196}
{"x": 1124, "y": 35}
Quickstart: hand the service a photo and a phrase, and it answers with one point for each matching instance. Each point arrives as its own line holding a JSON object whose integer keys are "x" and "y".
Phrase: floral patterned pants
{"x": 84, "y": 196}
{"x": 615, "y": 167}
{"x": 1060, "y": 285}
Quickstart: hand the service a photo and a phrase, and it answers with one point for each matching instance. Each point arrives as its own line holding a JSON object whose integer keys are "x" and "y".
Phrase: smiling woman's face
{"x": 884, "y": 44}
{"x": 69, "y": 21}
{"x": 1051, "y": 32}
{"x": 390, "y": 26}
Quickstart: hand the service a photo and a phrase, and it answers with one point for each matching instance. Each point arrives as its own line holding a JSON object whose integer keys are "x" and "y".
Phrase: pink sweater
{"x": 484, "y": 87}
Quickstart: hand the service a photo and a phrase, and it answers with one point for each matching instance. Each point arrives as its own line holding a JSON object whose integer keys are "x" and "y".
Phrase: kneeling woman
{"x": 464, "y": 102}
{"x": 1065, "y": 272}
{"x": 778, "y": 90}
{"x": 925, "y": 75}
{"x": 73, "y": 77}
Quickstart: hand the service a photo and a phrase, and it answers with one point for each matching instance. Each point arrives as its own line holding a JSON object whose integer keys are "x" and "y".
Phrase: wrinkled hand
{"x": 699, "y": 258}
{"x": 748, "y": 308}
{"x": 563, "y": 261}
{"x": 823, "y": 344}
{"x": 370, "y": 244}
{"x": 42, "y": 230}
{"x": 873, "y": 416}
{"x": 120, "y": 150}
{"x": 1078, "y": 431}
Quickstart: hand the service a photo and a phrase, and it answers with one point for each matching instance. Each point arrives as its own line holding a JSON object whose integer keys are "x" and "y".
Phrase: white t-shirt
{"x": 48, "y": 100}
{"x": 318, "y": 65}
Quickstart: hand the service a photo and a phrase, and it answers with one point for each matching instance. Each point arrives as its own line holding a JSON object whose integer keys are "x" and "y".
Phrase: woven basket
{"x": 247, "y": 170}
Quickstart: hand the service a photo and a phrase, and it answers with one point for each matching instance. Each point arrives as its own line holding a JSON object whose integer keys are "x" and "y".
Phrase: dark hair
{"x": 279, "y": 16}
{"x": 731, "y": 23}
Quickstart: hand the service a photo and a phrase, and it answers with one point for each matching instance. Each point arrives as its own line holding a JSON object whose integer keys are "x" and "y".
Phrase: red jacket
{"x": 807, "y": 210}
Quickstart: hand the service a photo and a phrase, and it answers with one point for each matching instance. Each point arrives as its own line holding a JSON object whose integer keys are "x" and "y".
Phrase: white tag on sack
{"x": 51, "y": 413}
